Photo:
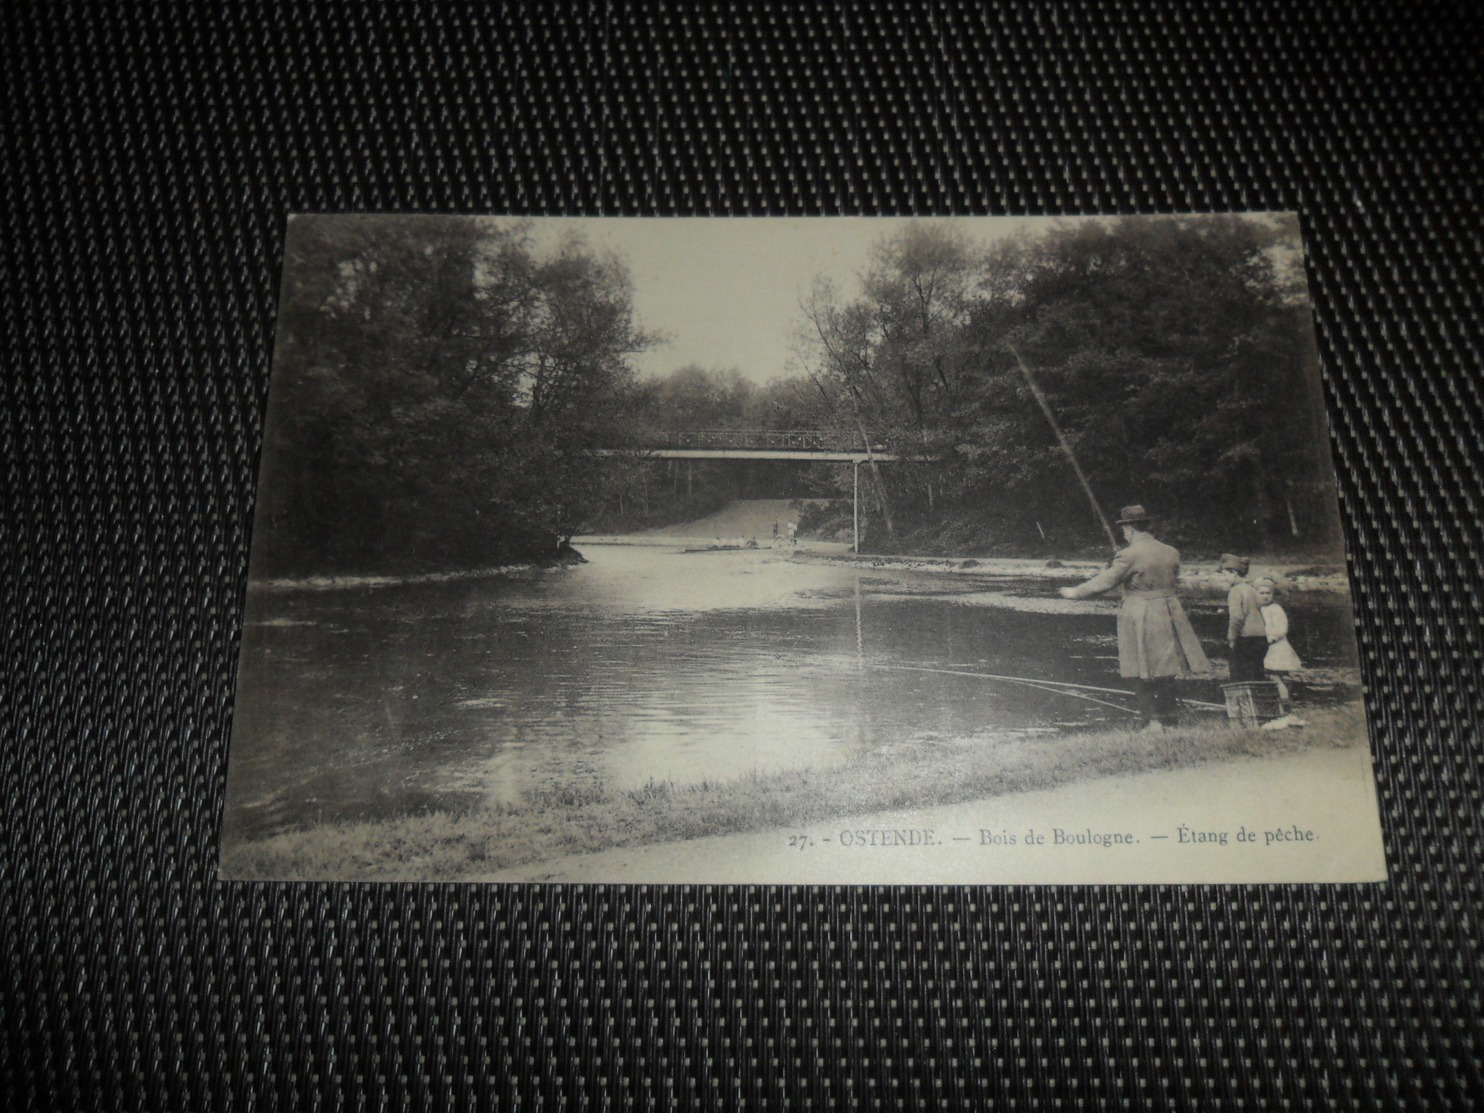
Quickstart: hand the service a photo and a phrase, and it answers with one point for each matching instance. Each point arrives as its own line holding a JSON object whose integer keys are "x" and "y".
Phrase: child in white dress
{"x": 1281, "y": 659}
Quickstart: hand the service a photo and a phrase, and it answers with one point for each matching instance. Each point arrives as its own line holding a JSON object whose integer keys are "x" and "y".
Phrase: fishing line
{"x": 1003, "y": 678}
{"x": 1054, "y": 688}
{"x": 1081, "y": 697}
{"x": 1044, "y": 684}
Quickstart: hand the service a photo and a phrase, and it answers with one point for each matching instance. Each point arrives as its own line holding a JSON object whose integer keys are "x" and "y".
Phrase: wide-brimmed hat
{"x": 1236, "y": 562}
{"x": 1134, "y": 514}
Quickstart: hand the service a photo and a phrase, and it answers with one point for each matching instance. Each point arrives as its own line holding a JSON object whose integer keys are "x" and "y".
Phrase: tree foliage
{"x": 437, "y": 383}
{"x": 1175, "y": 353}
{"x": 440, "y": 383}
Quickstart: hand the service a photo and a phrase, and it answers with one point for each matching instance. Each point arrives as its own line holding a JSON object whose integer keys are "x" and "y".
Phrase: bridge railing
{"x": 732, "y": 439}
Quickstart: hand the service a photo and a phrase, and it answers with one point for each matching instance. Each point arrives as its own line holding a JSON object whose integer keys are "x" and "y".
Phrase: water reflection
{"x": 645, "y": 664}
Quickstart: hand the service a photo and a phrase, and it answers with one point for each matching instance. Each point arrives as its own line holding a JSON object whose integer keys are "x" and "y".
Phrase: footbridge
{"x": 775, "y": 445}
{"x": 767, "y": 445}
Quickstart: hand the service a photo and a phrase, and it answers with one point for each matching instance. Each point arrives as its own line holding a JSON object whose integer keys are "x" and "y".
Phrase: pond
{"x": 652, "y": 664}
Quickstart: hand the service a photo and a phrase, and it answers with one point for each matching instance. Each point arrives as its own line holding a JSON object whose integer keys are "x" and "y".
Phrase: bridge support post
{"x": 855, "y": 503}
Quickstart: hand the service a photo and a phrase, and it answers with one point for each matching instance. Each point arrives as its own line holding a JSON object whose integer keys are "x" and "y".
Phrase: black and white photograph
{"x": 798, "y": 550}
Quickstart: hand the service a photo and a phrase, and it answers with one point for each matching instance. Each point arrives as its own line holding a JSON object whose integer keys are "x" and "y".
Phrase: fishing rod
{"x": 1037, "y": 684}
{"x": 1080, "y": 697}
{"x": 1066, "y": 446}
{"x": 1001, "y": 678}
{"x": 1044, "y": 684}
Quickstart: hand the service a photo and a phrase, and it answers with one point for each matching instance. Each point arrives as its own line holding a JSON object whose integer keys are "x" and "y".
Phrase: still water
{"x": 649, "y": 663}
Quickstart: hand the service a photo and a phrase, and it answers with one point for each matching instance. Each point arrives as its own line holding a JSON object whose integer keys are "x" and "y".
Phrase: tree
{"x": 1176, "y": 354}
{"x": 696, "y": 398}
{"x": 437, "y": 383}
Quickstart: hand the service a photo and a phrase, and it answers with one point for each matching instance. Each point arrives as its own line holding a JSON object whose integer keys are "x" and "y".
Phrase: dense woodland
{"x": 441, "y": 383}
{"x": 437, "y": 383}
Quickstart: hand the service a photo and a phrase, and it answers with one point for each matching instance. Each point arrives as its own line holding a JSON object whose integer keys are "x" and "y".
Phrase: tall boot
{"x": 1167, "y": 703}
{"x": 1147, "y": 693}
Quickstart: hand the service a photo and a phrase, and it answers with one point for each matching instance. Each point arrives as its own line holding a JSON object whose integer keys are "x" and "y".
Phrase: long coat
{"x": 1155, "y": 640}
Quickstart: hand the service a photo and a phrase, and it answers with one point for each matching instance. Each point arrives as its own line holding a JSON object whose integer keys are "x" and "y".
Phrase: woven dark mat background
{"x": 151, "y": 152}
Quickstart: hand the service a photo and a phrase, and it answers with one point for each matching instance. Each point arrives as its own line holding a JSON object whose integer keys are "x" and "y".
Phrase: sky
{"x": 725, "y": 291}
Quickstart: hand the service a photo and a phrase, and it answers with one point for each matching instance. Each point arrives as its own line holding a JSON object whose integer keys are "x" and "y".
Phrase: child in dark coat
{"x": 1246, "y": 635}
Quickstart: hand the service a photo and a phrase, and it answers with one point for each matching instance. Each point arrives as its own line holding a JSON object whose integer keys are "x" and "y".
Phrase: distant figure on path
{"x": 793, "y": 534}
{"x": 1155, "y": 641}
{"x": 1246, "y": 635}
{"x": 1281, "y": 659}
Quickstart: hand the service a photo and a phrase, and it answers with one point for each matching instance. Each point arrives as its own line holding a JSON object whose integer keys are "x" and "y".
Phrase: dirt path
{"x": 1312, "y": 816}
{"x": 745, "y": 519}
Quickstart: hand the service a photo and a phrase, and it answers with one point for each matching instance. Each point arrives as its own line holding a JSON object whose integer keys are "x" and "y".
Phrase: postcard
{"x": 825, "y": 550}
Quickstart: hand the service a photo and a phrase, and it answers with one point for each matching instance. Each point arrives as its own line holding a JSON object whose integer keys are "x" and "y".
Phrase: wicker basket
{"x": 1252, "y": 703}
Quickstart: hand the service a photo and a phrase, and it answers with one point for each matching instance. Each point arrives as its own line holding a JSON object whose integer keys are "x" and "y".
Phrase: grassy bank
{"x": 927, "y": 770}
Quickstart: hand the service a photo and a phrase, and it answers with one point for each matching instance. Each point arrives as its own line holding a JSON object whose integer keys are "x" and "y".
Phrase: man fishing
{"x": 1155, "y": 641}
